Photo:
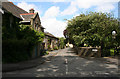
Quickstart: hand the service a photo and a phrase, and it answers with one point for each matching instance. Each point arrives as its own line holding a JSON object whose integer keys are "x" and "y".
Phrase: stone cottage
{"x": 32, "y": 18}
{"x": 51, "y": 42}
{"x": 12, "y": 13}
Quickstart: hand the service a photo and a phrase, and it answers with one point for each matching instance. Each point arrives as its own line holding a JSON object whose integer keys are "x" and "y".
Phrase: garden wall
{"x": 88, "y": 51}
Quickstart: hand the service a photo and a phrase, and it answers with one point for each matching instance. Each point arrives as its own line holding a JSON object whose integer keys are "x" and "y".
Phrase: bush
{"x": 30, "y": 34}
{"x": 49, "y": 47}
{"x": 47, "y": 52}
{"x": 106, "y": 52}
{"x": 55, "y": 48}
{"x": 14, "y": 50}
{"x": 112, "y": 52}
{"x": 44, "y": 52}
{"x": 19, "y": 47}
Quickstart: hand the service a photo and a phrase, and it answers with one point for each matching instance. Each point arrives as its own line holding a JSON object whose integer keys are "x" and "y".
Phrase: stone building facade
{"x": 51, "y": 42}
{"x": 12, "y": 13}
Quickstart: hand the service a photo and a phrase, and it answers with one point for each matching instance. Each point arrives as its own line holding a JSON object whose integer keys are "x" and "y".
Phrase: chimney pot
{"x": 31, "y": 10}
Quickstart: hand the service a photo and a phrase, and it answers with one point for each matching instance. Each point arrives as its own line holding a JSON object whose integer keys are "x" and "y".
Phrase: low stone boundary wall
{"x": 88, "y": 51}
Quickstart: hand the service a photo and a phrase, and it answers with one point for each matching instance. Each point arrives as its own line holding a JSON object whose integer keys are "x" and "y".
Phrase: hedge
{"x": 14, "y": 50}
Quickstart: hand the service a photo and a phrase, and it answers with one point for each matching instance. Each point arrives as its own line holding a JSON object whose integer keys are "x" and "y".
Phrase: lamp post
{"x": 114, "y": 36}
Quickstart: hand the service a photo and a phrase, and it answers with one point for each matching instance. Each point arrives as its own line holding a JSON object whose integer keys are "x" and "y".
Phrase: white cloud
{"x": 105, "y": 7}
{"x": 85, "y": 3}
{"x": 52, "y": 12}
{"x": 27, "y": 7}
{"x": 70, "y": 10}
{"x": 54, "y": 26}
{"x": 50, "y": 22}
{"x": 101, "y": 5}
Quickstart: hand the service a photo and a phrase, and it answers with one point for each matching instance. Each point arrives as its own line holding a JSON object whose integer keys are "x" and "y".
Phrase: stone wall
{"x": 88, "y": 51}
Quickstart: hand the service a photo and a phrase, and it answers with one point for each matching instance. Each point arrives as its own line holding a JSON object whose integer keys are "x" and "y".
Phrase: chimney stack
{"x": 11, "y": 2}
{"x": 31, "y": 10}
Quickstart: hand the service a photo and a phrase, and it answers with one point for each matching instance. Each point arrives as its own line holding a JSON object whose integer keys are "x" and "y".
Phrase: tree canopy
{"x": 93, "y": 29}
{"x": 62, "y": 42}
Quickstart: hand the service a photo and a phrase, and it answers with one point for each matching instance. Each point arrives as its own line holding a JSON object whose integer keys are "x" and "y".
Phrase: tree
{"x": 93, "y": 29}
{"x": 62, "y": 42}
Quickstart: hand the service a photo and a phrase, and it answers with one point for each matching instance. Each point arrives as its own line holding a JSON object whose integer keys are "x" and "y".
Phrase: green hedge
{"x": 14, "y": 50}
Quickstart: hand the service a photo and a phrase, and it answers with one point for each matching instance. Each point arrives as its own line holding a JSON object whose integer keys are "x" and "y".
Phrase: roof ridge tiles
{"x": 27, "y": 13}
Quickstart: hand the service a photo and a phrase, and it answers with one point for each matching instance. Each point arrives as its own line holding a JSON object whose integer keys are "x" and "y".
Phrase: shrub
{"x": 55, "y": 48}
{"x": 49, "y": 47}
{"x": 44, "y": 52}
{"x": 30, "y": 34}
{"x": 111, "y": 52}
{"x": 47, "y": 52}
{"x": 14, "y": 50}
{"x": 19, "y": 47}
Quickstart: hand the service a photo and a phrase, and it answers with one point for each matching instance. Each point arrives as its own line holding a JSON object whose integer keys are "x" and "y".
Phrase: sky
{"x": 54, "y": 12}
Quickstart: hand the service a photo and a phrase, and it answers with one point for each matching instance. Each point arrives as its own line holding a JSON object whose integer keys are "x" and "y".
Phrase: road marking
{"x": 66, "y": 69}
{"x": 66, "y": 61}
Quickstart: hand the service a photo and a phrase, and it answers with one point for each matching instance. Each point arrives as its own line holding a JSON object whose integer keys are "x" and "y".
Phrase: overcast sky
{"x": 53, "y": 12}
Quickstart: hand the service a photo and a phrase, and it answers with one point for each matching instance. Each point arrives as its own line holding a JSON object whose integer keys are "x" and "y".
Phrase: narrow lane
{"x": 67, "y": 64}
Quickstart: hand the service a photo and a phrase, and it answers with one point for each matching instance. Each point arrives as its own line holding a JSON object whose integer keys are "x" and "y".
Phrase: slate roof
{"x": 15, "y": 10}
{"x": 50, "y": 35}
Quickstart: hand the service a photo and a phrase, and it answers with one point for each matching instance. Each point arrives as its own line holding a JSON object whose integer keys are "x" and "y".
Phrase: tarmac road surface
{"x": 67, "y": 64}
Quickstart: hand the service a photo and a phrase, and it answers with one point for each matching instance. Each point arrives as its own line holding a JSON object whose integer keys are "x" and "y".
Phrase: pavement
{"x": 28, "y": 64}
